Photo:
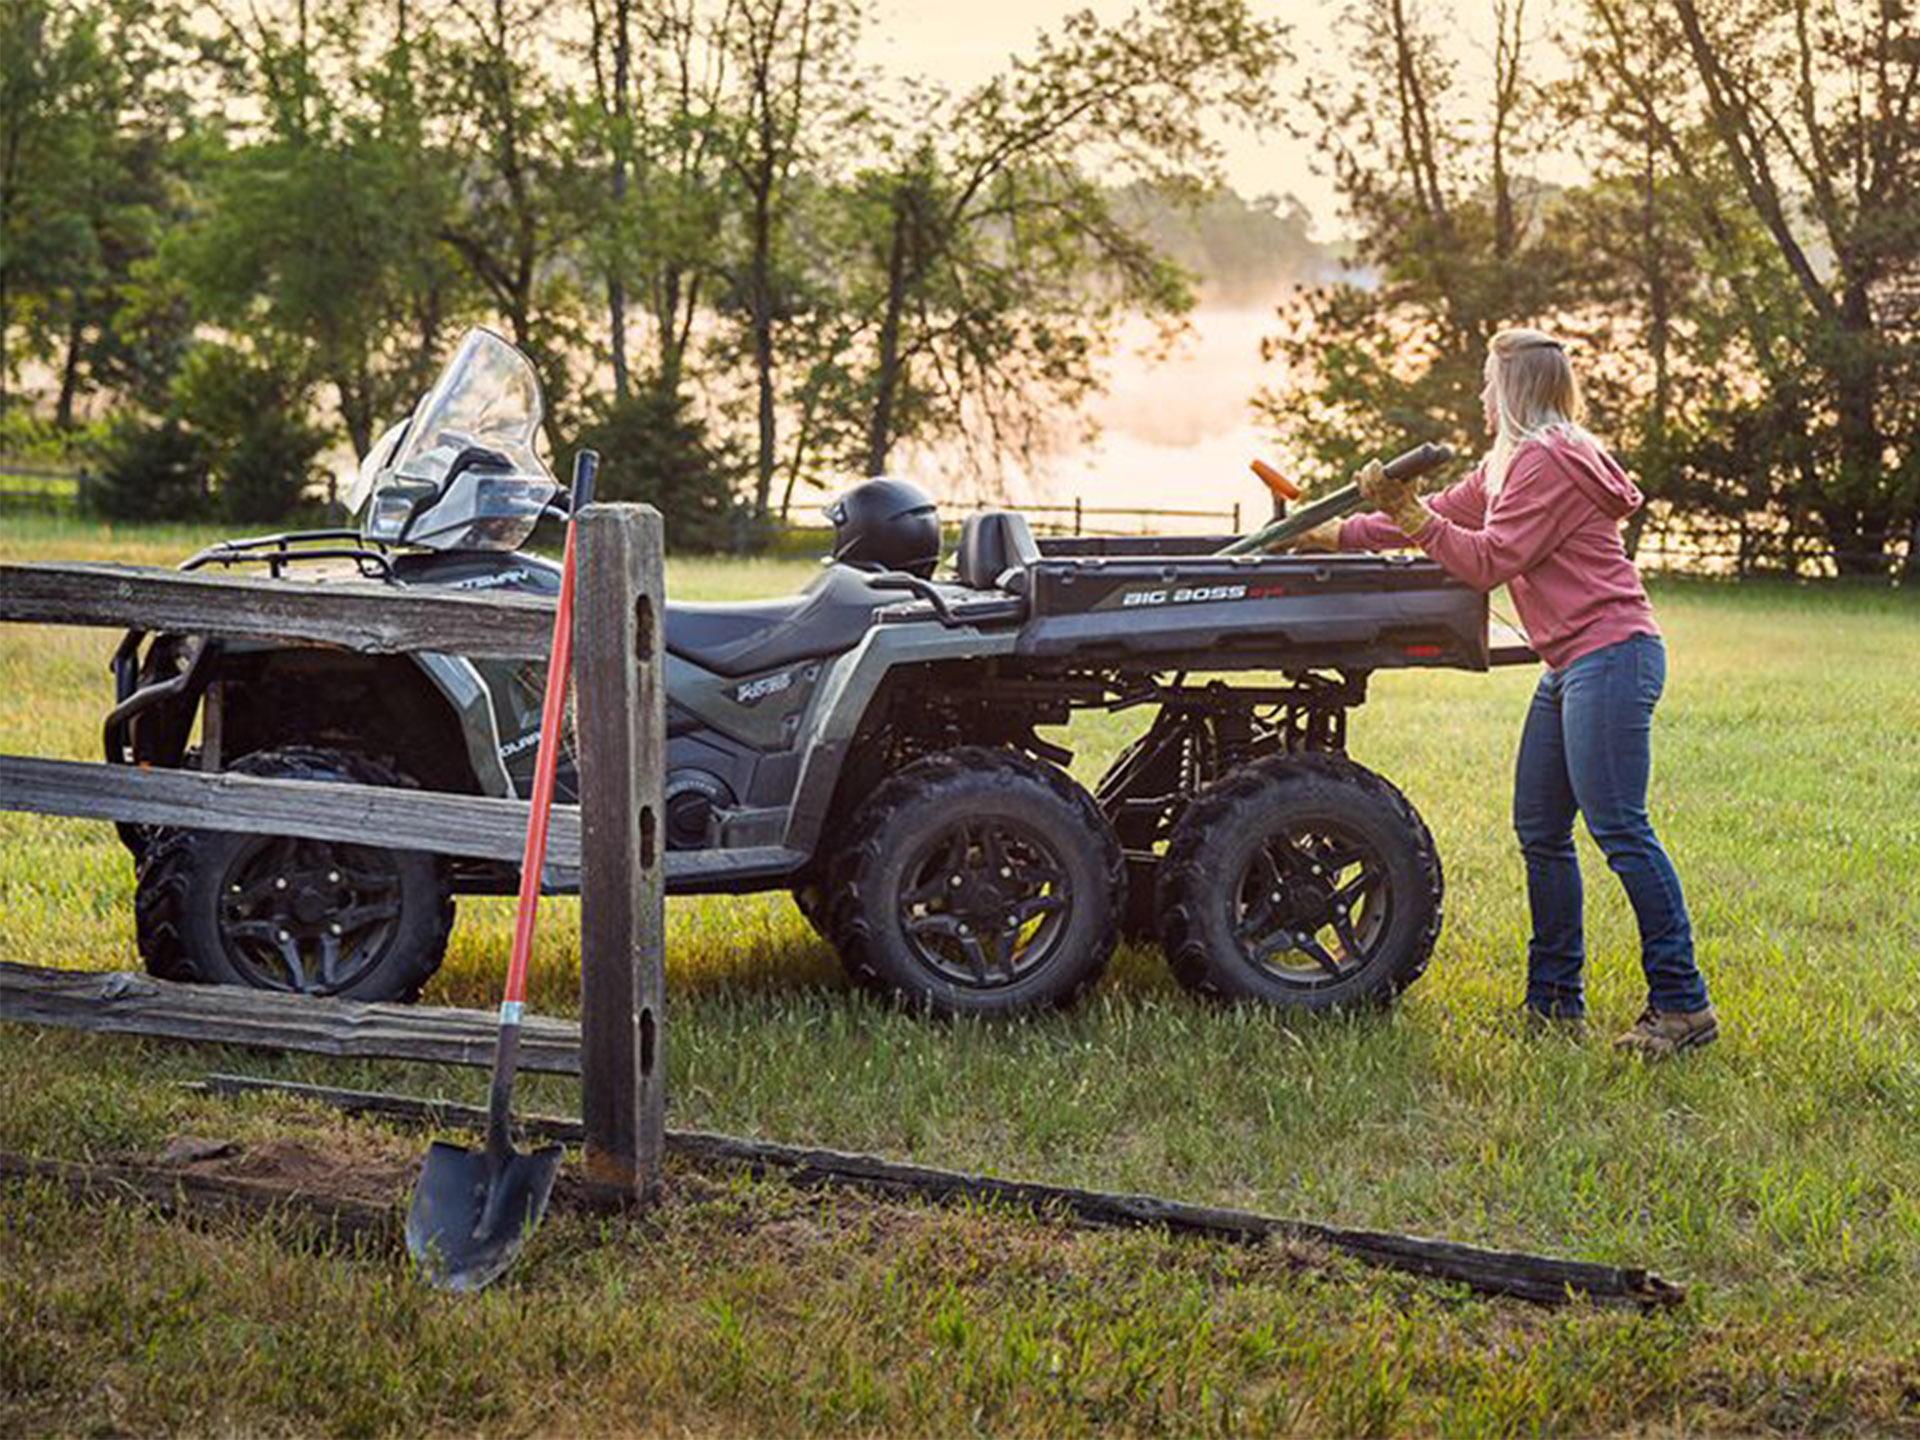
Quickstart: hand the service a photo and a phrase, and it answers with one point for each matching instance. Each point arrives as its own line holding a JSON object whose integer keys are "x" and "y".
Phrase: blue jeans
{"x": 1585, "y": 750}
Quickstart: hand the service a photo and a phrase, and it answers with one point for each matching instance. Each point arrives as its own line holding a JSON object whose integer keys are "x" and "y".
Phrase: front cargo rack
{"x": 277, "y": 552}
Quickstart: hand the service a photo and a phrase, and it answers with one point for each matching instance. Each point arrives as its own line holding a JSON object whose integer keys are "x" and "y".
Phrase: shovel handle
{"x": 553, "y": 708}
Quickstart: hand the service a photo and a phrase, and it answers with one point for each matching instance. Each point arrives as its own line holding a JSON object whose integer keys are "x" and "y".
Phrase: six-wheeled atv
{"x": 872, "y": 744}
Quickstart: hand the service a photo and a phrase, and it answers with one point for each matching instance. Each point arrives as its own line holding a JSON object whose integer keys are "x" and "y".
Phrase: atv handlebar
{"x": 1414, "y": 463}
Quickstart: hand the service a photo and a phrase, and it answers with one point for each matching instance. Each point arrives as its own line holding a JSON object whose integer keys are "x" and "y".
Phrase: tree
{"x": 654, "y": 449}
{"x": 1450, "y": 232}
{"x": 52, "y": 69}
{"x": 796, "y": 89}
{"x": 247, "y": 411}
{"x": 320, "y": 234}
{"x": 519, "y": 189}
{"x": 1824, "y": 150}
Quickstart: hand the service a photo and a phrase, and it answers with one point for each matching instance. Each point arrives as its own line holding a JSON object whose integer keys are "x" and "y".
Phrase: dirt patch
{"x": 352, "y": 1169}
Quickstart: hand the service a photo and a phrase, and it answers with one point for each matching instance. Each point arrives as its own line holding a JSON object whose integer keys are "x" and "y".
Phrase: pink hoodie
{"x": 1551, "y": 536}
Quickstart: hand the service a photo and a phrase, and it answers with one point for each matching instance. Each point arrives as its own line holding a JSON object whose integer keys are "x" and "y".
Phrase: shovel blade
{"x": 472, "y": 1211}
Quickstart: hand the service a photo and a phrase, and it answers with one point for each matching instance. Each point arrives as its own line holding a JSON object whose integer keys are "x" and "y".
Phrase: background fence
{"x": 41, "y": 487}
{"x": 1729, "y": 547}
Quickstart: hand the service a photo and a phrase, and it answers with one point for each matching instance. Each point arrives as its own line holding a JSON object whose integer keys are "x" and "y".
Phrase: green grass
{"x": 1777, "y": 1173}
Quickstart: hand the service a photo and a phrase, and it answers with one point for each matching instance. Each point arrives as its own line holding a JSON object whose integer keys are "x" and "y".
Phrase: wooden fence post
{"x": 620, "y": 709}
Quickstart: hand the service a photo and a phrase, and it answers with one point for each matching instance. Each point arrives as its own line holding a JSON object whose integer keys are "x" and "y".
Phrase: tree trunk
{"x": 6, "y": 360}
{"x": 622, "y": 115}
{"x": 1861, "y": 496}
{"x": 70, "y": 367}
{"x": 887, "y": 362}
{"x": 761, "y": 292}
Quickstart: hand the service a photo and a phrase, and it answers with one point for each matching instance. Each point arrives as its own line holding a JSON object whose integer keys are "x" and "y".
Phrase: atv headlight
{"x": 483, "y": 510}
{"x": 387, "y": 515}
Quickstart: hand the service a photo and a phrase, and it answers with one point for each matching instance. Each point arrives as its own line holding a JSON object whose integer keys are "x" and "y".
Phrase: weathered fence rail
{"x": 117, "y": 1002}
{"x": 474, "y": 826}
{"x": 348, "y": 614}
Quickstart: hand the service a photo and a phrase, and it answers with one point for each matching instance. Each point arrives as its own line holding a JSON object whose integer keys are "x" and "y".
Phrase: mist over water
{"x": 1174, "y": 433}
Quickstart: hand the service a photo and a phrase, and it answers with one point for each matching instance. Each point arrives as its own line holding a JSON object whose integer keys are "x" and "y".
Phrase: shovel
{"x": 471, "y": 1213}
{"x": 1344, "y": 501}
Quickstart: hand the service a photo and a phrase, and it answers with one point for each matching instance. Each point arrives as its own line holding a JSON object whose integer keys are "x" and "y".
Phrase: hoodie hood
{"x": 1595, "y": 473}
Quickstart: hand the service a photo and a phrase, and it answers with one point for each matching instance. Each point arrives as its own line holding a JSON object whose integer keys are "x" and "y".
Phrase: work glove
{"x": 1396, "y": 499}
{"x": 1324, "y": 536}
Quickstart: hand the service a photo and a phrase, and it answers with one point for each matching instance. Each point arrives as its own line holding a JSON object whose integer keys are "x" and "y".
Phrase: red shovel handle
{"x": 552, "y": 711}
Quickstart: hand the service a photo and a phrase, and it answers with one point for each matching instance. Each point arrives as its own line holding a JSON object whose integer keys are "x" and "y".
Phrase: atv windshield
{"x": 486, "y": 399}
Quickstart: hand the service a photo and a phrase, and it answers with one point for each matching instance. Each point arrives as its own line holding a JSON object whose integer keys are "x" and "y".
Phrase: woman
{"x": 1541, "y": 514}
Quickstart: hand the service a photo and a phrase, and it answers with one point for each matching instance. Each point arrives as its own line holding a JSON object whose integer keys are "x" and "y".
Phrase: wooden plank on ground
{"x": 1544, "y": 1278}
{"x": 621, "y": 709}
{"x": 478, "y": 826}
{"x": 352, "y": 614}
{"x": 124, "y": 1003}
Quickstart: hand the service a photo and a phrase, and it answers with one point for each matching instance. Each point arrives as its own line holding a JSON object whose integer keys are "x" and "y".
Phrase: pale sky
{"x": 960, "y": 44}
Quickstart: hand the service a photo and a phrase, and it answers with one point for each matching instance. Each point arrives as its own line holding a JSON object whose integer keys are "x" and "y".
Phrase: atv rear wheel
{"x": 278, "y": 913}
{"x": 982, "y": 882}
{"x": 1300, "y": 880}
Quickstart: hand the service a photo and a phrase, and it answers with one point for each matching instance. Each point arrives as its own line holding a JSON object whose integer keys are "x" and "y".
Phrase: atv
{"x": 871, "y": 744}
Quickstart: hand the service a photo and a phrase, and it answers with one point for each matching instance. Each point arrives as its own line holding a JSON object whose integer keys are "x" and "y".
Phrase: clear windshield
{"x": 487, "y": 395}
{"x": 487, "y": 399}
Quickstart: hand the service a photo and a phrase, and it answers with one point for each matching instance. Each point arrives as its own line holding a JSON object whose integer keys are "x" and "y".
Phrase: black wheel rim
{"x": 307, "y": 916}
{"x": 1313, "y": 905}
{"x": 985, "y": 903}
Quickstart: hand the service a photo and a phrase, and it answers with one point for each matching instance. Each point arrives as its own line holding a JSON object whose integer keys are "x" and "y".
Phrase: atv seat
{"x": 748, "y": 636}
{"x": 991, "y": 544}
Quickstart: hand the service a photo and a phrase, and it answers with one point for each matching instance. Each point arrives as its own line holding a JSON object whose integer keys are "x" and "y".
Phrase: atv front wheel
{"x": 982, "y": 882}
{"x": 278, "y": 913}
{"x": 1300, "y": 880}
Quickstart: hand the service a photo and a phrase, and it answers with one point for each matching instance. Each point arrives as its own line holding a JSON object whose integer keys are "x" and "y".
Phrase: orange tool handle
{"x": 1282, "y": 488}
{"x": 552, "y": 714}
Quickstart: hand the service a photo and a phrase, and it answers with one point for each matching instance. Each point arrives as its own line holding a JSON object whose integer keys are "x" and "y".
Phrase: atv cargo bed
{"x": 1212, "y": 612}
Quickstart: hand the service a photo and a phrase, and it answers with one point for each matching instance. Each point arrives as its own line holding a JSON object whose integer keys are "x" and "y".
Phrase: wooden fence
{"x": 41, "y": 487}
{"x": 613, "y": 840}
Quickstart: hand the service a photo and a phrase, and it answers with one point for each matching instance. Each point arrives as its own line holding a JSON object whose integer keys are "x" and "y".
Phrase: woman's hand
{"x": 1396, "y": 499}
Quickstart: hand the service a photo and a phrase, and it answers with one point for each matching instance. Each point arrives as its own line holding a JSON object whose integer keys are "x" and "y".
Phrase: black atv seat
{"x": 748, "y": 636}
{"x": 992, "y": 543}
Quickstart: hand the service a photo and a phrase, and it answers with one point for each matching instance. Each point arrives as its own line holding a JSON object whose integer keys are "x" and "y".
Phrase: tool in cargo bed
{"x": 471, "y": 1213}
{"x": 1414, "y": 463}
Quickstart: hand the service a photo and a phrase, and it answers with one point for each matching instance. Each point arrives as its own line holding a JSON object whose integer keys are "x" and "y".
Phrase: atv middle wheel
{"x": 1301, "y": 880}
{"x": 810, "y": 899}
{"x": 981, "y": 882}
{"x": 277, "y": 913}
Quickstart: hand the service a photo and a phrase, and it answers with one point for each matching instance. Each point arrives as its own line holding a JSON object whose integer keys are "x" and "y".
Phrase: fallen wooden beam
{"x": 120, "y": 1003}
{"x": 174, "y": 1191}
{"x": 480, "y": 826}
{"x": 1542, "y": 1278}
{"x": 351, "y": 614}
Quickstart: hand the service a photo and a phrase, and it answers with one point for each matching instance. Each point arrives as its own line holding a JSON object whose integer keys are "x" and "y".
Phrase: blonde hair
{"x": 1534, "y": 395}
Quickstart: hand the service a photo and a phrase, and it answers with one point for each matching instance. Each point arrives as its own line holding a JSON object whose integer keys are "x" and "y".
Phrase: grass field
{"x": 1777, "y": 1173}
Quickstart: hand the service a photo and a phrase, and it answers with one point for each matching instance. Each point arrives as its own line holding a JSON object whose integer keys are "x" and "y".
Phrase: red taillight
{"x": 1420, "y": 652}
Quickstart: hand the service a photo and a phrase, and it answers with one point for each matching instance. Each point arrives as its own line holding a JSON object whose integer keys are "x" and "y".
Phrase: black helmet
{"x": 883, "y": 524}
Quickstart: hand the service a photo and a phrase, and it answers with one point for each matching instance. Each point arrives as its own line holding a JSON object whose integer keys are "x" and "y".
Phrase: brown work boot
{"x": 1660, "y": 1033}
